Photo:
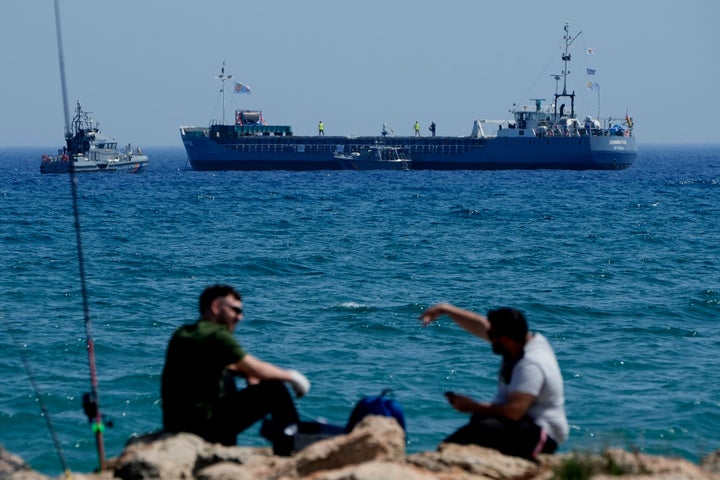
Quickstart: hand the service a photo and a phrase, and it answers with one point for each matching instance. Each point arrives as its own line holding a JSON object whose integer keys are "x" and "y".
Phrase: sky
{"x": 146, "y": 67}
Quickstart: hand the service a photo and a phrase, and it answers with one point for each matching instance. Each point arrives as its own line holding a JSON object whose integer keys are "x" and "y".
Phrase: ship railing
{"x": 624, "y": 122}
{"x": 617, "y": 126}
{"x": 600, "y": 132}
{"x": 271, "y": 147}
{"x": 611, "y": 126}
{"x": 546, "y": 109}
{"x": 187, "y": 131}
{"x": 449, "y": 148}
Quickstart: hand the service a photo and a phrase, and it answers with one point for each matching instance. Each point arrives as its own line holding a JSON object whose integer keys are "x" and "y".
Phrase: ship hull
{"x": 303, "y": 153}
{"x": 137, "y": 165}
{"x": 351, "y": 164}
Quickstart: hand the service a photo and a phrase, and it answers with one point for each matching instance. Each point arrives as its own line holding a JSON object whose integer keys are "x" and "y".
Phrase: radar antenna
{"x": 557, "y": 80}
{"x": 538, "y": 103}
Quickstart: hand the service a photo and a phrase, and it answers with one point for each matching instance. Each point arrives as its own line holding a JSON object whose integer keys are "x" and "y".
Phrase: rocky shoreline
{"x": 374, "y": 450}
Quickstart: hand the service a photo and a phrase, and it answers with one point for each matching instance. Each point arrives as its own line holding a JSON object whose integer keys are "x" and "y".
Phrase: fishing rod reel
{"x": 91, "y": 408}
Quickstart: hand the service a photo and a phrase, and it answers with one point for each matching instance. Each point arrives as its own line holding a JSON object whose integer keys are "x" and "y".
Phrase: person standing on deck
{"x": 321, "y": 129}
{"x": 417, "y": 128}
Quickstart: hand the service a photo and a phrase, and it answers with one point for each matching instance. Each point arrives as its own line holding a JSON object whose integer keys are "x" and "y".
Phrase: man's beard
{"x": 499, "y": 350}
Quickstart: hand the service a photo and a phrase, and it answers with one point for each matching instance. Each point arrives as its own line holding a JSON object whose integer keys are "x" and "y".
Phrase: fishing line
{"x": 43, "y": 407}
{"x": 541, "y": 74}
{"x": 91, "y": 404}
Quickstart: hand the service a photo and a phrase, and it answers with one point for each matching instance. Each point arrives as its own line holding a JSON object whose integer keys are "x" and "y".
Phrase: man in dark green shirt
{"x": 195, "y": 395}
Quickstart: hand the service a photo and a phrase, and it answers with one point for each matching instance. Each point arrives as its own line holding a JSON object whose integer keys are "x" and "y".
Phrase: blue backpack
{"x": 376, "y": 405}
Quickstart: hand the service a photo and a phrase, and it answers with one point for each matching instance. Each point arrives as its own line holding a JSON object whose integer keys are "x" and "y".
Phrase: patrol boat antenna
{"x": 222, "y": 77}
{"x": 569, "y": 39}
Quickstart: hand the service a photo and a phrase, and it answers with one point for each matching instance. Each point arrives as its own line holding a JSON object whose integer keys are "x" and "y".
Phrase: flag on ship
{"x": 590, "y": 71}
{"x": 242, "y": 88}
{"x": 590, "y": 51}
{"x": 593, "y": 86}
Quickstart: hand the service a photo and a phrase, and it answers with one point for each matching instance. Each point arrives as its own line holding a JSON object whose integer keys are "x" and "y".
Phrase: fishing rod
{"x": 91, "y": 405}
{"x": 43, "y": 407}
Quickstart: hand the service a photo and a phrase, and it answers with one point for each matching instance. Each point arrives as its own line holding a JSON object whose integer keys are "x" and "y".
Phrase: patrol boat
{"x": 376, "y": 157}
{"x": 88, "y": 150}
{"x": 538, "y": 137}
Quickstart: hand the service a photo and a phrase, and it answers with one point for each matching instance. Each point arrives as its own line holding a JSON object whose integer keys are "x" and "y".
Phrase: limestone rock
{"x": 374, "y": 438}
{"x": 473, "y": 460}
{"x": 637, "y": 466}
{"x": 375, "y": 471}
{"x": 182, "y": 455}
{"x": 374, "y": 450}
{"x": 159, "y": 456}
{"x": 711, "y": 462}
{"x": 13, "y": 467}
{"x": 616, "y": 463}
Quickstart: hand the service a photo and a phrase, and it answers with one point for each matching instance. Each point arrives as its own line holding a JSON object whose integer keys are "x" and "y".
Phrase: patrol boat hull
{"x": 131, "y": 164}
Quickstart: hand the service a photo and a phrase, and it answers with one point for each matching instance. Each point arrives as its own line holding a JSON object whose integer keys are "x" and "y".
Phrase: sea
{"x": 620, "y": 270}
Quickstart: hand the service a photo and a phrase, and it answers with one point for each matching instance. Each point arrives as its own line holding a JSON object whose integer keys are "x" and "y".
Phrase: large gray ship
{"x": 537, "y": 137}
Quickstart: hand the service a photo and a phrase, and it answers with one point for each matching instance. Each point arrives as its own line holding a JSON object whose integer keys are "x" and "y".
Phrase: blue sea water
{"x": 620, "y": 270}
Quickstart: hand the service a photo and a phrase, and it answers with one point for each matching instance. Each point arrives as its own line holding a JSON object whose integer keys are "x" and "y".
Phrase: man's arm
{"x": 257, "y": 370}
{"x": 474, "y": 323}
{"x": 514, "y": 409}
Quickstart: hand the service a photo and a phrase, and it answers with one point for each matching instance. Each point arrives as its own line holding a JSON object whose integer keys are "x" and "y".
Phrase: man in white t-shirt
{"x": 527, "y": 415}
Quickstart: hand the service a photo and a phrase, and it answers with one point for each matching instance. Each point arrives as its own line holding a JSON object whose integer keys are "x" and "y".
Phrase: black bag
{"x": 298, "y": 436}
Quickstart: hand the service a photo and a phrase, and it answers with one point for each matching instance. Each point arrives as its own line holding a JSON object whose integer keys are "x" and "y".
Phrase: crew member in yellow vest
{"x": 321, "y": 128}
{"x": 417, "y": 128}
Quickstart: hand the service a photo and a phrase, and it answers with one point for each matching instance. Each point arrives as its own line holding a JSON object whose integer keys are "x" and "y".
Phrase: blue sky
{"x": 145, "y": 67}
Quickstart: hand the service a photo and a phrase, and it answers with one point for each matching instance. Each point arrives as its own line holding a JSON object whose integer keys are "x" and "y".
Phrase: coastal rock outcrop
{"x": 14, "y": 467}
{"x": 374, "y": 450}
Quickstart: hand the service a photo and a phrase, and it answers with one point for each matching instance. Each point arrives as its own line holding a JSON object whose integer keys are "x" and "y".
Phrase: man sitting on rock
{"x": 196, "y": 396}
{"x": 527, "y": 415}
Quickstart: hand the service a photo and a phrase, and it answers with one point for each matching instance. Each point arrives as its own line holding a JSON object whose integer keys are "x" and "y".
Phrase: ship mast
{"x": 566, "y": 57}
{"x": 222, "y": 77}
